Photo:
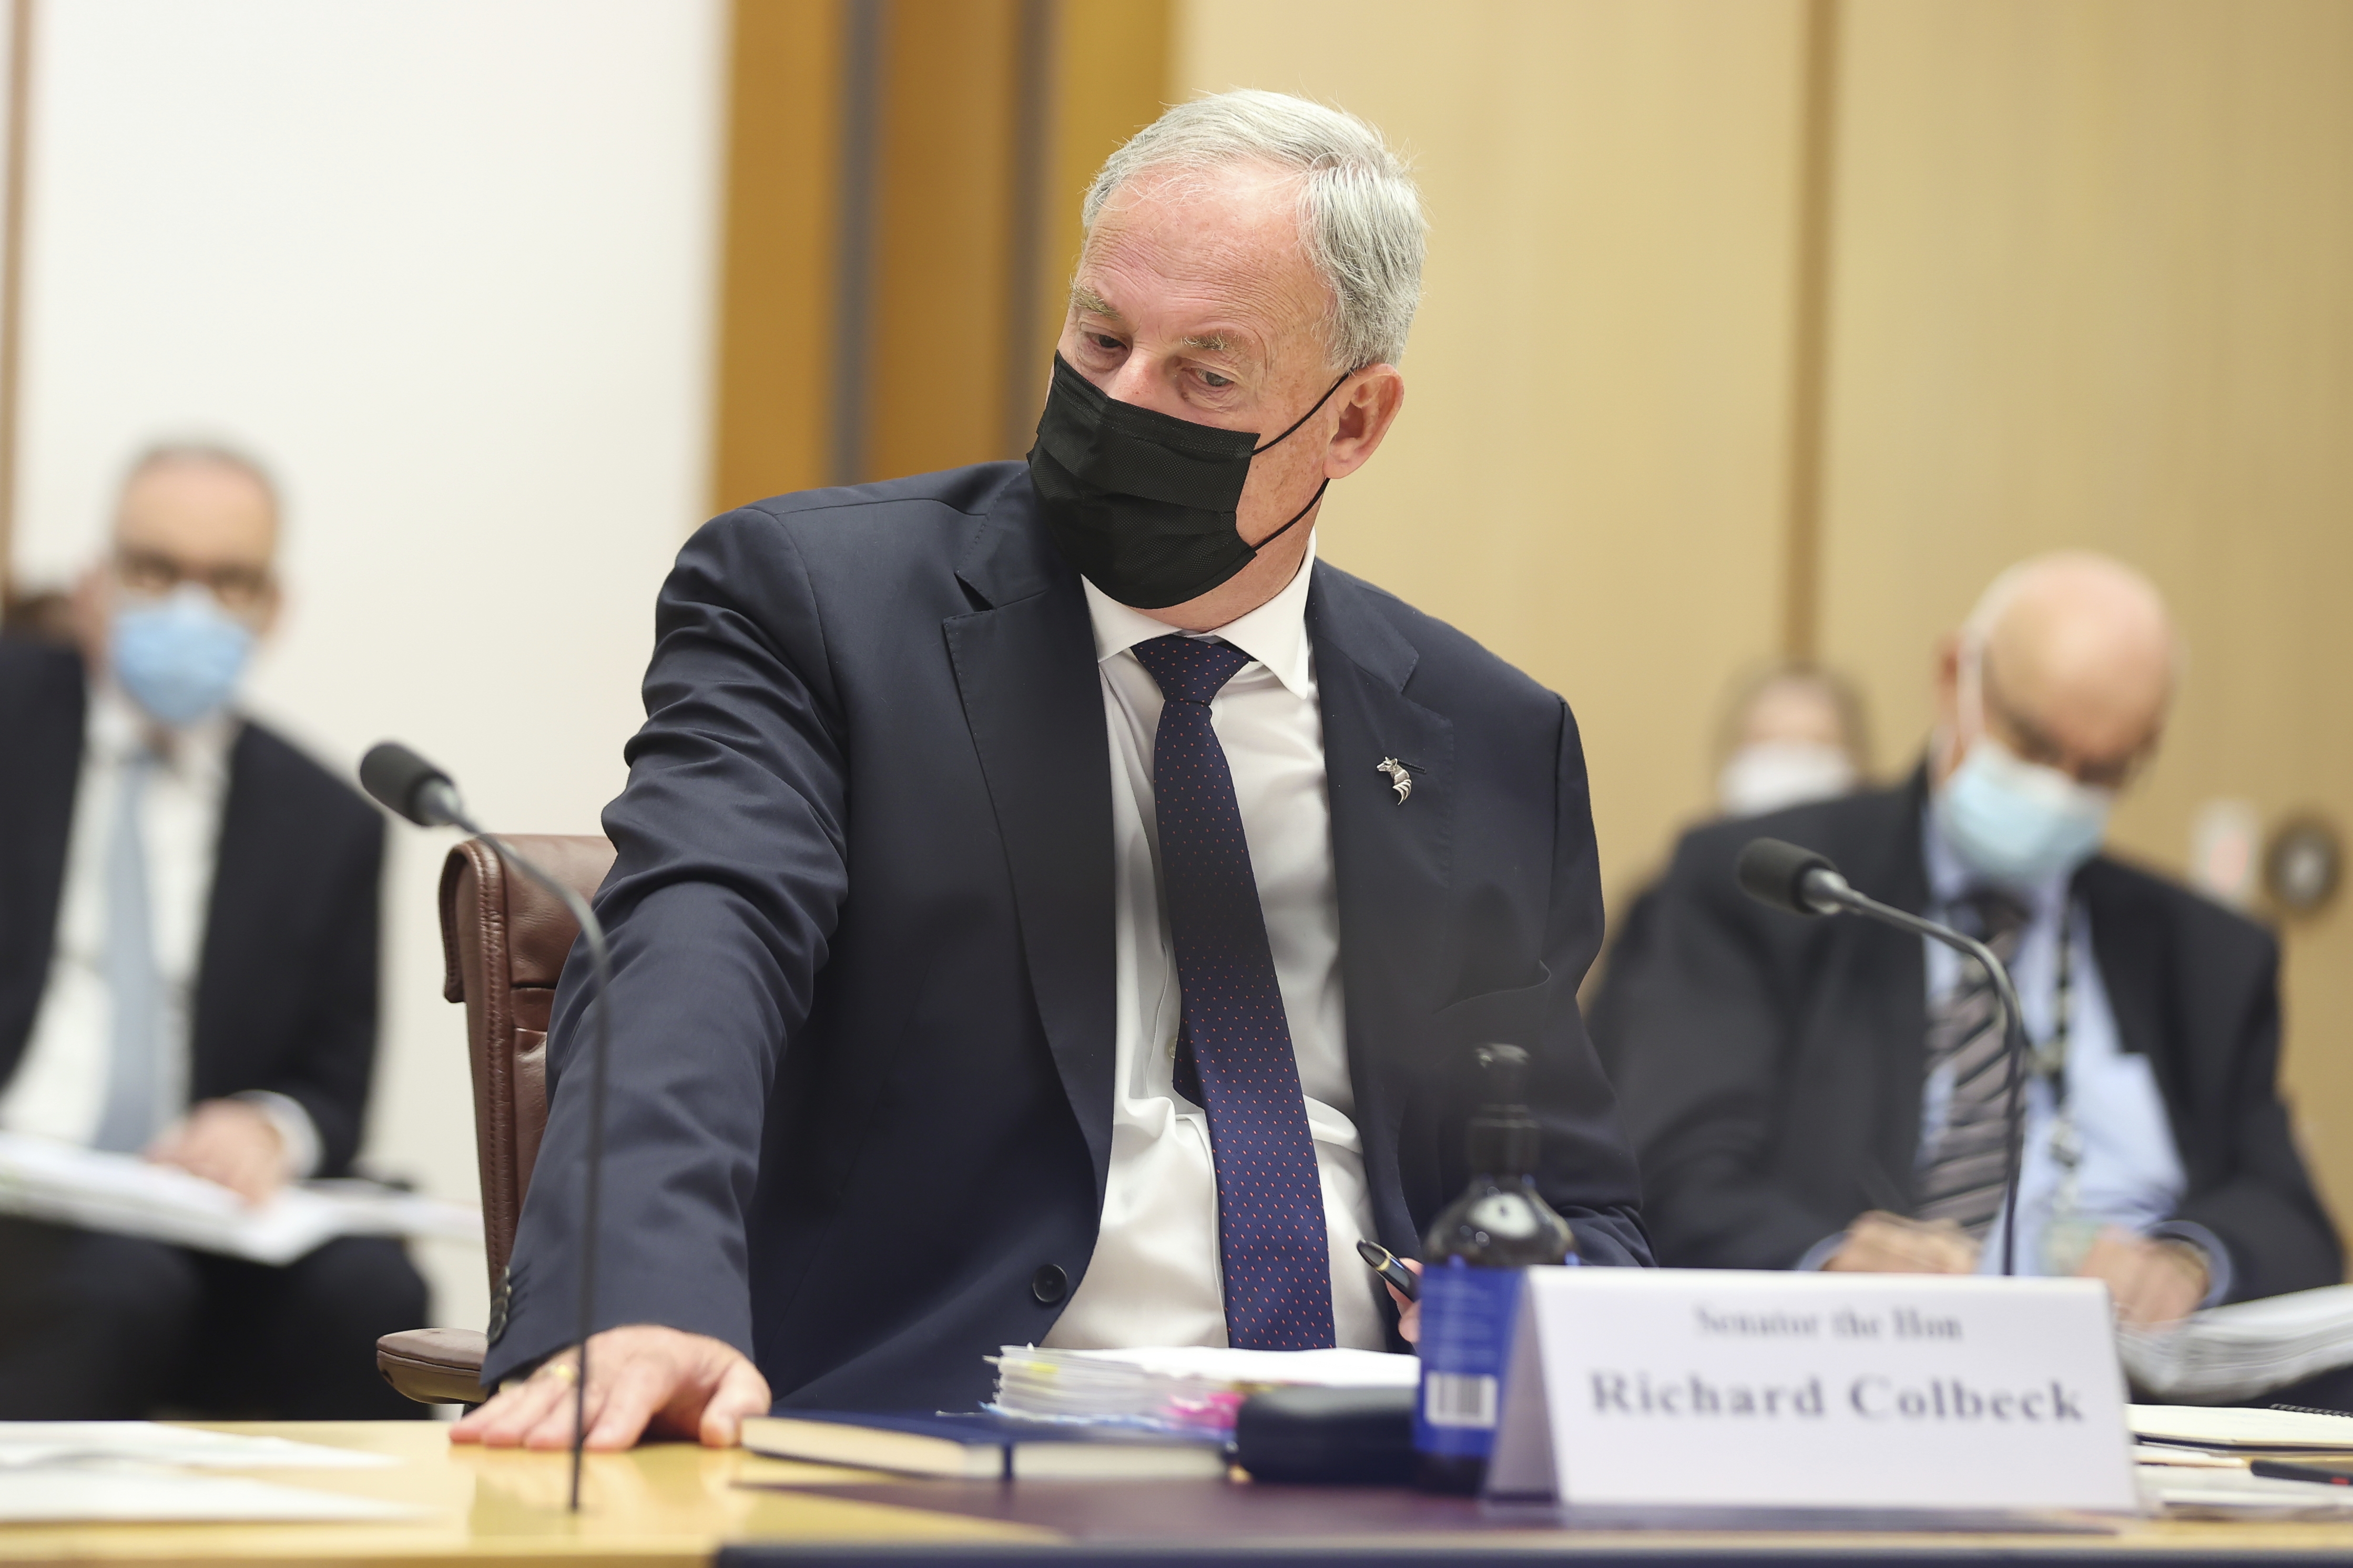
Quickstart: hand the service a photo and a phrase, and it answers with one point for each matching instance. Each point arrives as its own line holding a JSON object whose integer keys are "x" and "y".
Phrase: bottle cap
{"x": 1504, "y": 1140}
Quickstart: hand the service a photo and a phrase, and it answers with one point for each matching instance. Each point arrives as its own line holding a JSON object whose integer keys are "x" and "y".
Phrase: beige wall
{"x": 2089, "y": 282}
{"x": 1589, "y": 472}
{"x": 2094, "y": 285}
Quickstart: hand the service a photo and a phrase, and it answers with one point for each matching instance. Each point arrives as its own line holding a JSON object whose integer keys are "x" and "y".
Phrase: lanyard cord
{"x": 2051, "y": 1055}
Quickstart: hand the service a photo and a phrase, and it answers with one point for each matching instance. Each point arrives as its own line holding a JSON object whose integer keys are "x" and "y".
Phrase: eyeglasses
{"x": 2031, "y": 744}
{"x": 241, "y": 589}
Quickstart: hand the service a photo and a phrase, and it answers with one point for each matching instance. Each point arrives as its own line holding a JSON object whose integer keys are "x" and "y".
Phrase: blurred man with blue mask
{"x": 1828, "y": 1094}
{"x": 188, "y": 938}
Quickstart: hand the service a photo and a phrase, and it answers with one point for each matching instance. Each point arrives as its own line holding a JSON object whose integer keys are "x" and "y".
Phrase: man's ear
{"x": 1365, "y": 419}
{"x": 87, "y": 612}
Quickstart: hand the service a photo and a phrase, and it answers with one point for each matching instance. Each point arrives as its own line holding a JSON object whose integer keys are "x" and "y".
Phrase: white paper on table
{"x": 96, "y": 1493}
{"x": 33, "y": 1444}
{"x": 123, "y": 1195}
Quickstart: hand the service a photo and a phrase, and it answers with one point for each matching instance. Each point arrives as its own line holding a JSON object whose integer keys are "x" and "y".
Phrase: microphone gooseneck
{"x": 1802, "y": 881}
{"x": 414, "y": 790}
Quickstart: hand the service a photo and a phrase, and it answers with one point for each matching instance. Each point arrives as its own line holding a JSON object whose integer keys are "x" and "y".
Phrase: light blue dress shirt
{"x": 2131, "y": 1173}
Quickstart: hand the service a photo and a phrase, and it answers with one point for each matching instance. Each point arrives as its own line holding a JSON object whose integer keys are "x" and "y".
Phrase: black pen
{"x": 2285, "y": 1470}
{"x": 1384, "y": 1262}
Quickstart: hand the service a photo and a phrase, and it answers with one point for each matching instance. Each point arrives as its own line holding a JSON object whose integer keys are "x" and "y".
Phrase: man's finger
{"x": 638, "y": 1389}
{"x": 742, "y": 1392}
{"x": 511, "y": 1417}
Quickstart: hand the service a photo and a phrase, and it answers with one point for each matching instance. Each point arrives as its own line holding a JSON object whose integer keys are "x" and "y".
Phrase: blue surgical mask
{"x": 179, "y": 657}
{"x": 2016, "y": 822}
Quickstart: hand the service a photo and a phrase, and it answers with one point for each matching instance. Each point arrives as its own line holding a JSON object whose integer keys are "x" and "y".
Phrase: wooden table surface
{"x": 676, "y": 1503}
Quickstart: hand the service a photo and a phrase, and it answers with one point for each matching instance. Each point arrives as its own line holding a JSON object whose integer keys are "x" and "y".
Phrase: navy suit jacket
{"x": 862, "y": 925}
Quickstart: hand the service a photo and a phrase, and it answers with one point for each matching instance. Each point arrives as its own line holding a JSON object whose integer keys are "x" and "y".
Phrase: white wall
{"x": 447, "y": 265}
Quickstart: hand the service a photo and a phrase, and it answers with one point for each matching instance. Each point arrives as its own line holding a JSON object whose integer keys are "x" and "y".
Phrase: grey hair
{"x": 1360, "y": 217}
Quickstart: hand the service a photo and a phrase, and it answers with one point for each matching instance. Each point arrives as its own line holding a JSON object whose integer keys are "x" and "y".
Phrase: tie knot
{"x": 1189, "y": 669}
{"x": 1999, "y": 918}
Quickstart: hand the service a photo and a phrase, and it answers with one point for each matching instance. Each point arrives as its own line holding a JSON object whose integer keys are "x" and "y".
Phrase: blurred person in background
{"x": 1792, "y": 732}
{"x": 188, "y": 973}
{"x": 1829, "y": 1093}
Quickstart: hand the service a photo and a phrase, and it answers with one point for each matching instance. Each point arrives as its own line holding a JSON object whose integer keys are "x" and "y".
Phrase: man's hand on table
{"x": 1881, "y": 1242}
{"x": 228, "y": 1142}
{"x": 640, "y": 1378}
{"x": 2150, "y": 1281}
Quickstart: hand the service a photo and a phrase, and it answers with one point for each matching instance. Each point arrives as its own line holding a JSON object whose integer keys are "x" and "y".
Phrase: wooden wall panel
{"x": 2094, "y": 285}
{"x": 943, "y": 234}
{"x": 776, "y": 348}
{"x": 1588, "y": 475}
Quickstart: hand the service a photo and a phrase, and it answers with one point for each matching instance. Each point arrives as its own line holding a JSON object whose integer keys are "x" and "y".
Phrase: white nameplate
{"x": 1689, "y": 1387}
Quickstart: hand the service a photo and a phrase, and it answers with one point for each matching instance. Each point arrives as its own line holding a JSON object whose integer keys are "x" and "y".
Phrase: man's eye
{"x": 1106, "y": 343}
{"x": 1211, "y": 378}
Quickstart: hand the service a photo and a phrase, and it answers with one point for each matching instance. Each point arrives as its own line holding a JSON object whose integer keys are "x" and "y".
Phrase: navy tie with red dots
{"x": 1234, "y": 1054}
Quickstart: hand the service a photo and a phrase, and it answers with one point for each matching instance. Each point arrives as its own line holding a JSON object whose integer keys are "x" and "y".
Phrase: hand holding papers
{"x": 124, "y": 1194}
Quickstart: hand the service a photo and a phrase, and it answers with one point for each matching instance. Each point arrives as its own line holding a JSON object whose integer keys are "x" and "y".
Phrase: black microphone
{"x": 1801, "y": 881}
{"x": 408, "y": 786}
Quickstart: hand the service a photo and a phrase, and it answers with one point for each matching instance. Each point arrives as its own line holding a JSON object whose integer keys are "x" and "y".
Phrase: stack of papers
{"x": 125, "y": 1195}
{"x": 1179, "y": 1388}
{"x": 2199, "y": 1427}
{"x": 67, "y": 1472}
{"x": 2224, "y": 1355}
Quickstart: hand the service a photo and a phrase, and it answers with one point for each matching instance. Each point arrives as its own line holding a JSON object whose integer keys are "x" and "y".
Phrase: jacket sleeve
{"x": 1589, "y": 1174}
{"x": 720, "y": 910}
{"x": 1702, "y": 1008}
{"x": 2265, "y": 1211}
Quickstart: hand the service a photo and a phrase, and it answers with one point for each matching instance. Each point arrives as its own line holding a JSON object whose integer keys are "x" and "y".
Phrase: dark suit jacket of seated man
{"x": 863, "y": 928}
{"x": 268, "y": 868}
{"x": 1777, "y": 1072}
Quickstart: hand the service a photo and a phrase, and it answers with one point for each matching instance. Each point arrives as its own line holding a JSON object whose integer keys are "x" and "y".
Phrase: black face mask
{"x": 1141, "y": 502}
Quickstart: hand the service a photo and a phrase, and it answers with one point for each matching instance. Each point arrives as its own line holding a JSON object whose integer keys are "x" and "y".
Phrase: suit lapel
{"x": 2130, "y": 948}
{"x": 1392, "y": 860}
{"x": 43, "y": 696}
{"x": 239, "y": 917}
{"x": 1025, "y": 670}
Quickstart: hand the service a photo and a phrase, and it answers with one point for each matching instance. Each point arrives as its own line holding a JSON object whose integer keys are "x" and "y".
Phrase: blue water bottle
{"x": 1473, "y": 1261}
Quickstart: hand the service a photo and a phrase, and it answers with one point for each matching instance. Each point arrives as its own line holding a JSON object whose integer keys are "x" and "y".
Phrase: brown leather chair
{"x": 503, "y": 938}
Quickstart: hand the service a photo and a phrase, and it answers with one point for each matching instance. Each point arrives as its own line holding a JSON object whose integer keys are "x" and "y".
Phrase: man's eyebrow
{"x": 1211, "y": 343}
{"x": 1093, "y": 303}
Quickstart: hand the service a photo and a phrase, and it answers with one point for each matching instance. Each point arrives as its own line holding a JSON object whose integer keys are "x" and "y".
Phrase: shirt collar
{"x": 1949, "y": 877}
{"x": 118, "y": 730}
{"x": 1275, "y": 634}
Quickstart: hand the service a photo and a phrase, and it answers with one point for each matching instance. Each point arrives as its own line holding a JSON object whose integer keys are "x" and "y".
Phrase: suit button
{"x": 1050, "y": 1284}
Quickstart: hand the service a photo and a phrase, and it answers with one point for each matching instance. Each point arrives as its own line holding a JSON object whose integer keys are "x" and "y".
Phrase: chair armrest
{"x": 435, "y": 1366}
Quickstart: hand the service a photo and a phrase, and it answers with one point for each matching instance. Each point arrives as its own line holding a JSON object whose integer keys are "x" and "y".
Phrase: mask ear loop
{"x": 1304, "y": 418}
{"x": 1286, "y": 436}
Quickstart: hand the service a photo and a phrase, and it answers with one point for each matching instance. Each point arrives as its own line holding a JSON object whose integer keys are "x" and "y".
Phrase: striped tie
{"x": 1234, "y": 1048}
{"x": 1963, "y": 1166}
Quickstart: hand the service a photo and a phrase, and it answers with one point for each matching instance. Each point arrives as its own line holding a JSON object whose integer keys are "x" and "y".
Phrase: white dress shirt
{"x": 1155, "y": 1277}
{"x": 59, "y": 1089}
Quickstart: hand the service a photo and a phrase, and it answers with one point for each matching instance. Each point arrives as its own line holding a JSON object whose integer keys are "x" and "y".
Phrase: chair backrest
{"x": 504, "y": 938}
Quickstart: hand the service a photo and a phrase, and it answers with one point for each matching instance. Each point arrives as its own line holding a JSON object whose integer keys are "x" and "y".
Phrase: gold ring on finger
{"x": 563, "y": 1372}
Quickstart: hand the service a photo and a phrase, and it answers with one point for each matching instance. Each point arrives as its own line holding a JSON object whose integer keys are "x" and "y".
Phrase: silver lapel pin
{"x": 1399, "y": 780}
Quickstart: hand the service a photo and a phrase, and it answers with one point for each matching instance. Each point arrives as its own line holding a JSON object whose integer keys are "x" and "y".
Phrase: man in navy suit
{"x": 1050, "y": 907}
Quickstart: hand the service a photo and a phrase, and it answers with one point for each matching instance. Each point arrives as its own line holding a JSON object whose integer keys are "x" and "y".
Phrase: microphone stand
{"x": 415, "y": 789}
{"x": 600, "y": 959}
{"x": 1822, "y": 885}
